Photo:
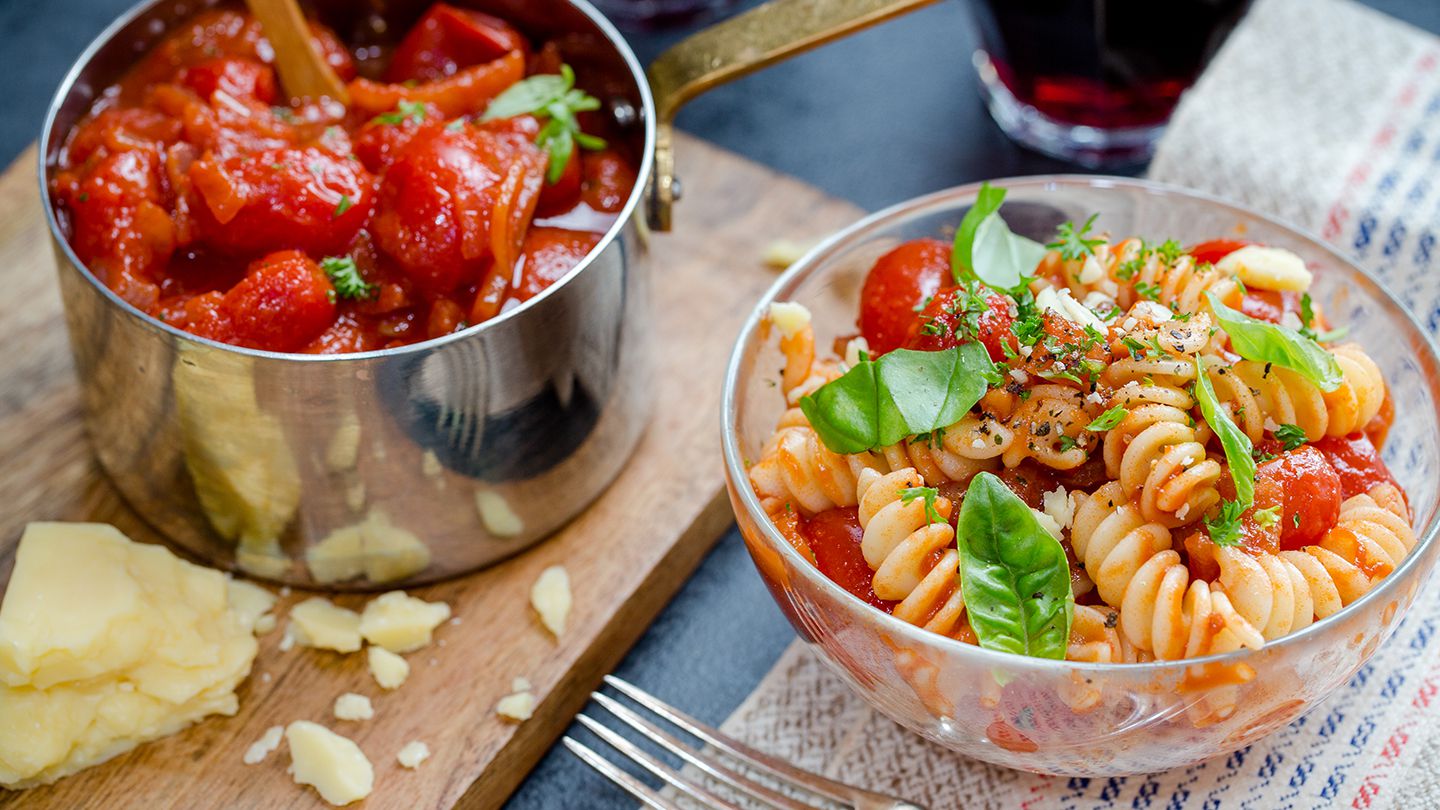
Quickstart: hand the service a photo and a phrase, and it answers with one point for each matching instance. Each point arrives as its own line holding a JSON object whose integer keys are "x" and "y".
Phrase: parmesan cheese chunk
{"x": 550, "y": 596}
{"x": 790, "y": 318}
{"x": 1268, "y": 268}
{"x": 1059, "y": 507}
{"x": 333, "y": 765}
{"x": 388, "y": 669}
{"x": 106, "y": 644}
{"x": 518, "y": 707}
{"x": 414, "y": 753}
{"x": 400, "y": 622}
{"x": 351, "y": 706}
{"x": 1062, "y": 303}
{"x": 1047, "y": 523}
{"x": 261, "y": 748}
{"x": 319, "y": 623}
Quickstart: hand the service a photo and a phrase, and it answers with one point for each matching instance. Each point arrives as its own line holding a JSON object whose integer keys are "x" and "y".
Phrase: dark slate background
{"x": 885, "y": 115}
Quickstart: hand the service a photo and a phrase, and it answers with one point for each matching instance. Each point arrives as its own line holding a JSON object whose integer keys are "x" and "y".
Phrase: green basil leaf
{"x": 1013, "y": 573}
{"x": 904, "y": 393}
{"x": 934, "y": 389}
{"x": 1232, "y": 438}
{"x": 1001, "y": 258}
{"x": 1265, "y": 342}
{"x": 987, "y": 202}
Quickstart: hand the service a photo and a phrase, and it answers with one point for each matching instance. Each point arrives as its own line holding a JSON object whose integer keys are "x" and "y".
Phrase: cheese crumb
{"x": 497, "y": 515}
{"x": 1047, "y": 523}
{"x": 1267, "y": 268}
{"x": 388, "y": 669}
{"x": 518, "y": 707}
{"x": 334, "y": 765}
{"x": 414, "y": 753}
{"x": 351, "y": 706}
{"x": 1059, "y": 507}
{"x": 790, "y": 318}
{"x": 1091, "y": 271}
{"x": 251, "y": 602}
{"x": 1062, "y": 303}
{"x": 265, "y": 624}
{"x": 1151, "y": 311}
{"x": 261, "y": 748}
{"x": 781, "y": 253}
{"x": 854, "y": 348}
{"x": 400, "y": 622}
{"x": 520, "y": 684}
{"x": 287, "y": 640}
{"x": 317, "y": 622}
{"x": 551, "y": 597}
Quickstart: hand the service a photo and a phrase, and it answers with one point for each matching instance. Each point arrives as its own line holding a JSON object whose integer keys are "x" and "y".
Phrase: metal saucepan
{"x": 395, "y": 467}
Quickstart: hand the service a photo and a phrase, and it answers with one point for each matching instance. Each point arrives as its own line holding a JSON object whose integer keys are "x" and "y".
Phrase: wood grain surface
{"x": 627, "y": 555}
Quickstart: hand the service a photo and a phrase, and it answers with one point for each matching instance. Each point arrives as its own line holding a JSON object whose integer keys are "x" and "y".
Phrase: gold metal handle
{"x": 737, "y": 47}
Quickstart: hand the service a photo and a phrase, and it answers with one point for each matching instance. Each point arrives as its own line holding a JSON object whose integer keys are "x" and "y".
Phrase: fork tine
{"x": 784, "y": 771}
{"x": 680, "y": 749}
{"x": 680, "y": 782}
{"x": 633, "y": 786}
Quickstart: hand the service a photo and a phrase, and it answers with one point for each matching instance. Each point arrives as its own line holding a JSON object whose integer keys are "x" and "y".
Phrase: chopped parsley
{"x": 345, "y": 277}
{"x": 1307, "y": 323}
{"x": 1128, "y": 269}
{"x": 413, "y": 111}
{"x": 342, "y": 206}
{"x": 1067, "y": 443}
{"x": 929, "y": 494}
{"x": 1224, "y": 528}
{"x": 1108, "y": 419}
{"x": 1072, "y": 244}
{"x": 1291, "y": 436}
{"x": 1169, "y": 251}
{"x": 1266, "y": 518}
{"x": 1147, "y": 290}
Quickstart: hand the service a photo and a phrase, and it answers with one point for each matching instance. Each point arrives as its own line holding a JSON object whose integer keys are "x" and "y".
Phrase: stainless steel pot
{"x": 402, "y": 466}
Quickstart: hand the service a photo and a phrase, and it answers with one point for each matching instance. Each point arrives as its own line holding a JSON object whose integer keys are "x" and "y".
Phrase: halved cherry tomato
{"x": 1216, "y": 249}
{"x": 283, "y": 302}
{"x": 834, "y": 539}
{"x": 1269, "y": 305}
{"x": 1311, "y": 493}
{"x": 305, "y": 198}
{"x": 609, "y": 179}
{"x": 1357, "y": 462}
{"x": 549, "y": 254}
{"x": 900, "y": 282}
{"x": 447, "y": 39}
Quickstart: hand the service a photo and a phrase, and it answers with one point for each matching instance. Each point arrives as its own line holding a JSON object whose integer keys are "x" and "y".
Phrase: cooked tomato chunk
{"x": 447, "y": 39}
{"x": 283, "y": 302}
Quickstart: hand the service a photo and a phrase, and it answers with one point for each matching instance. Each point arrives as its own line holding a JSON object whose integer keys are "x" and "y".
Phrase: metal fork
{"x": 784, "y": 773}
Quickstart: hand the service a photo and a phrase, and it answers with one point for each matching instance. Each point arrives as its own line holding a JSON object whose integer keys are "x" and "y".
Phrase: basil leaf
{"x": 904, "y": 393}
{"x": 1001, "y": 258}
{"x": 1232, "y": 438}
{"x": 987, "y": 202}
{"x": 934, "y": 389}
{"x": 554, "y": 98}
{"x": 1013, "y": 573}
{"x": 1266, "y": 342}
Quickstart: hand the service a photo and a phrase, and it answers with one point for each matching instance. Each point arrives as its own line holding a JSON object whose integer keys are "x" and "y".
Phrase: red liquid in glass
{"x": 1103, "y": 63}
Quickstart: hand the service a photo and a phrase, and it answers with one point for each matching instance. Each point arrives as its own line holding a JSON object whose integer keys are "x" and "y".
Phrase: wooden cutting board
{"x": 627, "y": 555}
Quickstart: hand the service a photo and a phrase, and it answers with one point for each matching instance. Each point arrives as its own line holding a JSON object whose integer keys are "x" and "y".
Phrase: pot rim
{"x": 622, "y": 221}
{"x": 738, "y": 473}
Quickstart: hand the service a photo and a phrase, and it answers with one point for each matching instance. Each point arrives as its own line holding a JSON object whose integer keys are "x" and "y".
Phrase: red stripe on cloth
{"x": 1370, "y": 786}
{"x": 1340, "y": 212}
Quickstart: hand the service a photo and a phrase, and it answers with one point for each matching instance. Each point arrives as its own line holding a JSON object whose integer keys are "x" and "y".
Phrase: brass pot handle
{"x": 736, "y": 47}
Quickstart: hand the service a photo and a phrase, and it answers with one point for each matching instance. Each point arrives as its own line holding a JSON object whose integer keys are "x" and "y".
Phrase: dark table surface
{"x": 885, "y": 115}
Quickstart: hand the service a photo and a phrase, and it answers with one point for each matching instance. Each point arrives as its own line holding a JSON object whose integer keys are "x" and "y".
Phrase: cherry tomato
{"x": 120, "y": 228}
{"x": 1356, "y": 461}
{"x": 275, "y": 199}
{"x": 447, "y": 39}
{"x": 1269, "y": 305}
{"x": 834, "y": 539}
{"x": 1311, "y": 492}
{"x": 236, "y": 76}
{"x": 1216, "y": 249}
{"x": 940, "y": 325}
{"x": 549, "y": 254}
{"x": 901, "y": 281}
{"x": 283, "y": 303}
{"x": 562, "y": 195}
{"x": 436, "y": 201}
{"x": 465, "y": 93}
{"x": 608, "y": 180}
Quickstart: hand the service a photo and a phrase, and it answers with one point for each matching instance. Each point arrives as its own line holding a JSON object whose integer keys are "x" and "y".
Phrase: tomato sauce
{"x": 200, "y": 196}
{"x": 834, "y": 539}
{"x": 1357, "y": 463}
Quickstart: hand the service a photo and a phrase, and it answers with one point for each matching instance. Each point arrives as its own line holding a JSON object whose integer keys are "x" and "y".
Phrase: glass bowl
{"x": 1060, "y": 717}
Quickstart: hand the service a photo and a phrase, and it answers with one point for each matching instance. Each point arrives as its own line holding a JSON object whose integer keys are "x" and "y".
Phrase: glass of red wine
{"x": 1094, "y": 81}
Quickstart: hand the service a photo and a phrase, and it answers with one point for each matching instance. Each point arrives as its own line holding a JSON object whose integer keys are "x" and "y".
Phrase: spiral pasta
{"x": 900, "y": 545}
{"x": 1161, "y": 611}
{"x": 1158, "y": 454}
{"x": 1258, "y": 392}
{"x": 1128, "y": 272}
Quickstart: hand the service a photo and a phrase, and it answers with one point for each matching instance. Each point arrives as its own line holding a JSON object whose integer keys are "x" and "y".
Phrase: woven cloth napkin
{"x": 1325, "y": 114}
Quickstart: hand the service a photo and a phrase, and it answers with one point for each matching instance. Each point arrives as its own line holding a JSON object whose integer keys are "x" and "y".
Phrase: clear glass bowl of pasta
{"x": 1071, "y": 717}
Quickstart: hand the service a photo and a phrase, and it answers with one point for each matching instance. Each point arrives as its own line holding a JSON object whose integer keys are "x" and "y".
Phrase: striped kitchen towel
{"x": 1327, "y": 115}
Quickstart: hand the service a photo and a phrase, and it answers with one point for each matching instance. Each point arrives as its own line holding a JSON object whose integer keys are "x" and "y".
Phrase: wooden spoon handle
{"x": 304, "y": 73}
